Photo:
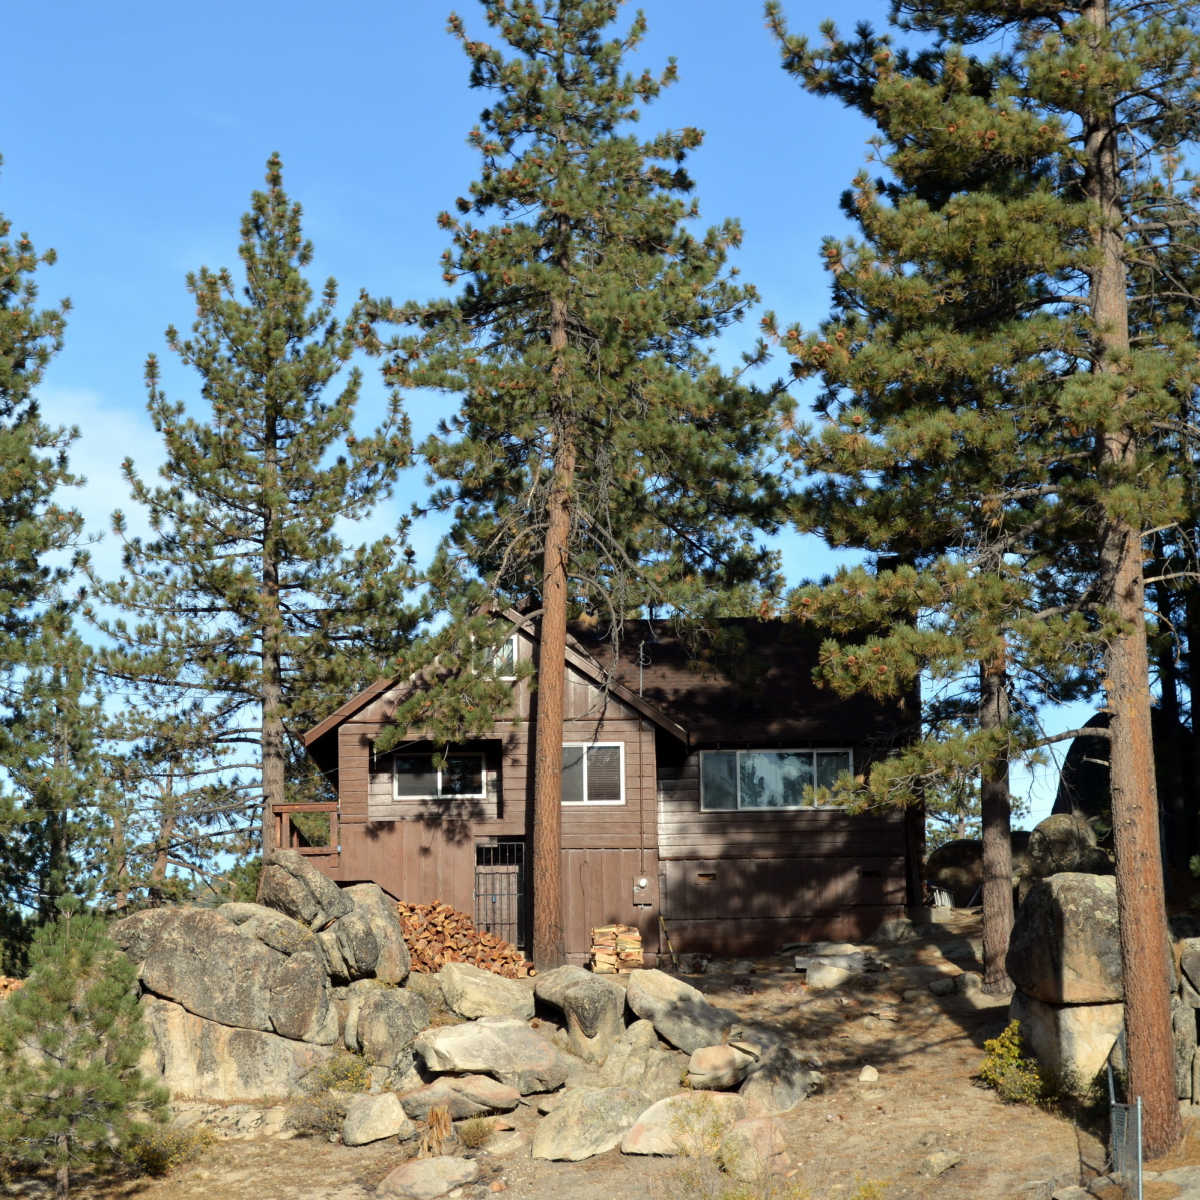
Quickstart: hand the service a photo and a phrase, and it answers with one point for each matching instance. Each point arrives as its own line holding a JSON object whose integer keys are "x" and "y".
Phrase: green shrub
{"x": 344, "y": 1072}
{"x": 1016, "y": 1077}
{"x": 160, "y": 1150}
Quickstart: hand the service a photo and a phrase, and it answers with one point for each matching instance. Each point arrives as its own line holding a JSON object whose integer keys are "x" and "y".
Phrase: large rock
{"x": 593, "y": 1006}
{"x": 687, "y": 1123}
{"x": 388, "y": 1022}
{"x": 299, "y": 1002}
{"x": 373, "y": 1118}
{"x": 427, "y": 1178}
{"x": 1183, "y": 1030}
{"x": 205, "y": 1060}
{"x": 393, "y": 962}
{"x": 463, "y": 1095}
{"x": 638, "y": 1060}
{"x": 202, "y": 962}
{"x": 1071, "y": 1042}
{"x": 1064, "y": 947}
{"x": 778, "y": 1081}
{"x": 712, "y": 1068}
{"x": 472, "y": 992}
{"x": 293, "y": 886}
{"x": 678, "y": 1011}
{"x": 957, "y": 867}
{"x": 274, "y": 929}
{"x": 1066, "y": 842}
{"x": 351, "y": 947}
{"x": 587, "y": 1122}
{"x": 136, "y": 933}
{"x": 754, "y": 1149}
{"x": 499, "y": 1046}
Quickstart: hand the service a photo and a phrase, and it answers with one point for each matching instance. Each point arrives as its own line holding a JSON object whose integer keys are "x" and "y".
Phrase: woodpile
{"x": 437, "y": 934}
{"x": 616, "y": 949}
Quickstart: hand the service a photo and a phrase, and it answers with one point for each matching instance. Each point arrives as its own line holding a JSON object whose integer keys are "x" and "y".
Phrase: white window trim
{"x": 813, "y": 750}
{"x": 585, "y": 802}
{"x": 440, "y": 795}
{"x": 511, "y": 640}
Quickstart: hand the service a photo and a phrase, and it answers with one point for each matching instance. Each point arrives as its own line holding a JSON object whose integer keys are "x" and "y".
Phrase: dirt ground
{"x": 879, "y": 1140}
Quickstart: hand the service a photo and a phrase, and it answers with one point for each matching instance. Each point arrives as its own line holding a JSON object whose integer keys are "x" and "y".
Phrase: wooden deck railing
{"x": 289, "y": 837}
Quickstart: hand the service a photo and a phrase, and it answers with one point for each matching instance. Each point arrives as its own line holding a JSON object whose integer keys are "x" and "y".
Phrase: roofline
{"x": 579, "y": 660}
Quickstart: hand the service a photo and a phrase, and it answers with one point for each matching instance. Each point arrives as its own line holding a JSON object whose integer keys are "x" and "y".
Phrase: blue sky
{"x": 136, "y": 132}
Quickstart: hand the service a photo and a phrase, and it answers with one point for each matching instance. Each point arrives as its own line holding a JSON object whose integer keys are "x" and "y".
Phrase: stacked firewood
{"x": 438, "y": 934}
{"x": 616, "y": 948}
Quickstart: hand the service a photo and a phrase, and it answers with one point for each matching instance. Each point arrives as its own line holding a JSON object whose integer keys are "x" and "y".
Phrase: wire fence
{"x": 1125, "y": 1133}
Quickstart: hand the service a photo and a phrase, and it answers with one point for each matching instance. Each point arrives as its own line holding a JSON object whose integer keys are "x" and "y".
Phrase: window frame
{"x": 509, "y": 677}
{"x": 769, "y": 808}
{"x": 585, "y": 802}
{"x": 440, "y": 795}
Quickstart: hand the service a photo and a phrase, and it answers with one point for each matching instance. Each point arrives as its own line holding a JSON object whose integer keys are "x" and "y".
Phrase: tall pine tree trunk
{"x": 272, "y": 650}
{"x": 548, "y": 943}
{"x": 1141, "y": 905}
{"x": 995, "y": 805}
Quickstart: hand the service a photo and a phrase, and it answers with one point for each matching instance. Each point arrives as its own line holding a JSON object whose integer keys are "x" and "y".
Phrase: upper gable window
{"x": 593, "y": 773}
{"x": 417, "y": 777}
{"x": 756, "y": 779}
{"x": 504, "y": 659}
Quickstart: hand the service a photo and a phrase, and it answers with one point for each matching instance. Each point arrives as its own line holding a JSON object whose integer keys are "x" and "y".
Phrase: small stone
{"x": 497, "y": 1185}
{"x": 939, "y": 1162}
{"x": 947, "y": 985}
{"x": 868, "y": 1075}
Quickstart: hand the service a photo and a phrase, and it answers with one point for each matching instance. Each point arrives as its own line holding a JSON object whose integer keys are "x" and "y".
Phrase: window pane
{"x": 604, "y": 774}
{"x": 415, "y": 775}
{"x": 774, "y": 778}
{"x": 718, "y": 780}
{"x": 504, "y": 658}
{"x": 831, "y": 764}
{"x": 572, "y": 775}
{"x": 463, "y": 775}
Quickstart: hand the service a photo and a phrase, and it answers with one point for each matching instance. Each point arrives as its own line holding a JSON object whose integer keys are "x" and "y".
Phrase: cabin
{"x": 686, "y": 797}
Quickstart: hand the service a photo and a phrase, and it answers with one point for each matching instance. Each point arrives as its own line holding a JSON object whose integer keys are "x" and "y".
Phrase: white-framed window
{"x": 504, "y": 659}
{"x": 732, "y": 780}
{"x": 593, "y": 773}
{"x": 418, "y": 777}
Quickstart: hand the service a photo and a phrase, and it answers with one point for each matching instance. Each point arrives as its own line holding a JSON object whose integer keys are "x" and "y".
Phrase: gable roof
{"x": 749, "y": 685}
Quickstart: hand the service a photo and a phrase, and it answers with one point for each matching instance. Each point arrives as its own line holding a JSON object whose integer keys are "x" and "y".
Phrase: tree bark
{"x": 549, "y": 949}
{"x": 272, "y": 652}
{"x": 1141, "y": 903}
{"x": 996, "y": 812}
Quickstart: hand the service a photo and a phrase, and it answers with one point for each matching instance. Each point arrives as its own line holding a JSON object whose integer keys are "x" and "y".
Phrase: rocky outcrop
{"x": 679, "y": 1012}
{"x": 687, "y": 1123}
{"x": 389, "y": 1020}
{"x": 1066, "y": 842}
{"x": 392, "y": 963}
{"x": 462, "y": 1096}
{"x": 592, "y": 1006}
{"x": 589, "y": 1121}
{"x": 1071, "y": 1041}
{"x": 1064, "y": 947}
{"x": 293, "y": 886}
{"x": 199, "y": 1058}
{"x": 373, "y": 1118}
{"x": 472, "y": 992}
{"x": 498, "y": 1046}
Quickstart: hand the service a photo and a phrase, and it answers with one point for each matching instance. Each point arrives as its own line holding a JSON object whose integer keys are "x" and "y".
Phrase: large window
{"x": 593, "y": 773}
{"x": 755, "y": 779}
{"x": 418, "y": 777}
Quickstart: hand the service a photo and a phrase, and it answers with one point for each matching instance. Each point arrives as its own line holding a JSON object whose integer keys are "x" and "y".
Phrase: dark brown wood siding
{"x": 744, "y": 882}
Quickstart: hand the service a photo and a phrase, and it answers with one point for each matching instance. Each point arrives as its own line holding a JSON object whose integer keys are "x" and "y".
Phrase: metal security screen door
{"x": 500, "y": 906}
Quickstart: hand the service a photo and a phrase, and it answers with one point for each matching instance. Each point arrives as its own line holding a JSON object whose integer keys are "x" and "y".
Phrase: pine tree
{"x": 70, "y": 1039}
{"x": 599, "y": 460}
{"x": 250, "y": 617}
{"x": 39, "y": 548}
{"x": 979, "y": 363}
